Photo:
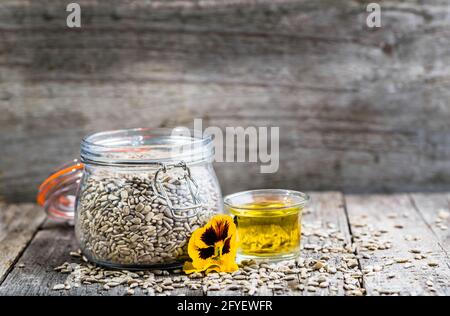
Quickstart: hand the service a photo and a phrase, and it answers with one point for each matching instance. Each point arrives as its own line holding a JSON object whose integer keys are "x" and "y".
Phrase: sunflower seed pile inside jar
{"x": 142, "y": 215}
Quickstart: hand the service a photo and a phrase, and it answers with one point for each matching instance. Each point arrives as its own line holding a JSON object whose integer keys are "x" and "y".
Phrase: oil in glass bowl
{"x": 268, "y": 223}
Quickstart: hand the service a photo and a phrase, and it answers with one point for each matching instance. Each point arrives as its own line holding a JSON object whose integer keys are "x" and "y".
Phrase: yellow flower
{"x": 213, "y": 247}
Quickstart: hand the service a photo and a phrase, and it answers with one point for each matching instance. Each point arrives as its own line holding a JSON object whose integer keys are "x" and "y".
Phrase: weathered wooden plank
{"x": 49, "y": 249}
{"x": 18, "y": 224}
{"x": 390, "y": 235}
{"x": 313, "y": 138}
{"x": 385, "y": 229}
{"x": 358, "y": 94}
{"x": 435, "y": 209}
{"x": 34, "y": 274}
{"x": 325, "y": 228}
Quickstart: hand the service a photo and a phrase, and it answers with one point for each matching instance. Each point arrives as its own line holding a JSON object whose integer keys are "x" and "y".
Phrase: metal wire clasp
{"x": 160, "y": 191}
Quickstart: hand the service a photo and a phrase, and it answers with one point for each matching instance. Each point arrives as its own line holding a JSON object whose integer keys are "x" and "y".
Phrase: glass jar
{"x": 141, "y": 194}
{"x": 268, "y": 223}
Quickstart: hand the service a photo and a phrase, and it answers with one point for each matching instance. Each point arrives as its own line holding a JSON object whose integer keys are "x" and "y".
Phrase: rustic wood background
{"x": 358, "y": 109}
{"x": 32, "y": 247}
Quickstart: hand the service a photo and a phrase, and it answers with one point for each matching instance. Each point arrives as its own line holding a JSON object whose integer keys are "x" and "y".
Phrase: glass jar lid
{"x": 139, "y": 146}
{"x": 147, "y": 146}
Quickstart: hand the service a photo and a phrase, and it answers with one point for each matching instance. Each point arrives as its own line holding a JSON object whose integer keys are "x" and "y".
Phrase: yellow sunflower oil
{"x": 268, "y": 227}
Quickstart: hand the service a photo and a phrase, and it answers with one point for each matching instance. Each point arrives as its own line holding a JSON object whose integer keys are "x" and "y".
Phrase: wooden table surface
{"x": 31, "y": 246}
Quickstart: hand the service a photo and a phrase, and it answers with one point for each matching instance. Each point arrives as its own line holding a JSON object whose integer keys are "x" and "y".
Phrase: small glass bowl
{"x": 268, "y": 223}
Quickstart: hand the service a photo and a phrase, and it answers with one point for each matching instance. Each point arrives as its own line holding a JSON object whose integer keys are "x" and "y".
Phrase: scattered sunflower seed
{"x": 58, "y": 287}
{"x": 443, "y": 214}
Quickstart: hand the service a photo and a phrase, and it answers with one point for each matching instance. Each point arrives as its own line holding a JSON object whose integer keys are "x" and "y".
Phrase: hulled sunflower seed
{"x": 122, "y": 221}
{"x": 58, "y": 287}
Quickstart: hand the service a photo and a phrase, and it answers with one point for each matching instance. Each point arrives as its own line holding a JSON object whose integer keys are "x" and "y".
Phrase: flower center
{"x": 218, "y": 247}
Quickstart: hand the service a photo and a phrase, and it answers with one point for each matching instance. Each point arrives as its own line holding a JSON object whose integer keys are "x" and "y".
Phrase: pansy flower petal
{"x": 213, "y": 247}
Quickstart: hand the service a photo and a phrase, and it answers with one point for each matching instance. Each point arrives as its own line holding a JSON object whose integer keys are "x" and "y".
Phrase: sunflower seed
{"x": 318, "y": 265}
{"x": 214, "y": 287}
{"x": 443, "y": 214}
{"x": 352, "y": 263}
{"x": 58, "y": 287}
{"x": 120, "y": 216}
{"x": 357, "y": 292}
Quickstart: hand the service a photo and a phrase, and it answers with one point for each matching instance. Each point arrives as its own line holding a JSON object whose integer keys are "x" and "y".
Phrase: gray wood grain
{"x": 402, "y": 220}
{"x": 34, "y": 273}
{"x": 45, "y": 252}
{"x": 430, "y": 206}
{"x": 325, "y": 213}
{"x": 18, "y": 224}
{"x": 406, "y": 231}
{"x": 358, "y": 109}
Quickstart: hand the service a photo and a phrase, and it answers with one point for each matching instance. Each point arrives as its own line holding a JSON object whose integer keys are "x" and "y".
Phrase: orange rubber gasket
{"x": 48, "y": 185}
